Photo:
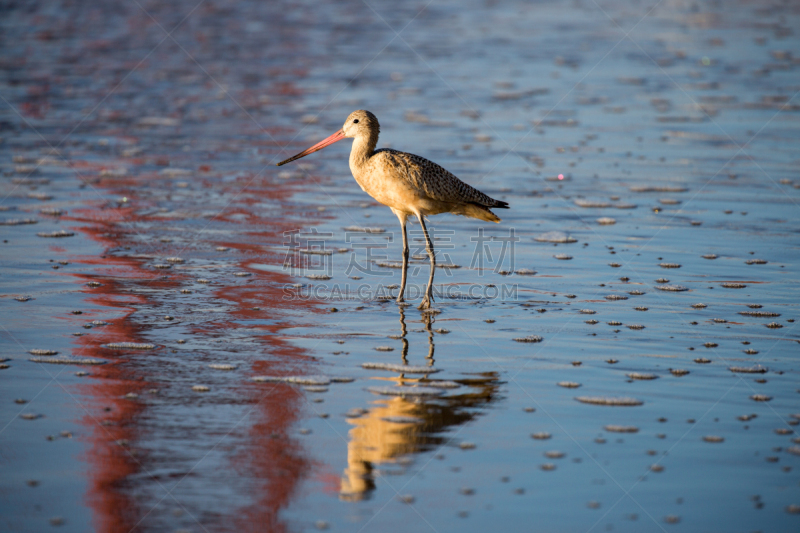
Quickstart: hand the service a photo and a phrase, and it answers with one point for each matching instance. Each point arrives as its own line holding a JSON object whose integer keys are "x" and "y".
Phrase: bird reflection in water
{"x": 397, "y": 427}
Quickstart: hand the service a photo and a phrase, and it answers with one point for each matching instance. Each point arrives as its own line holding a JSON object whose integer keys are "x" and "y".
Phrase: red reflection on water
{"x": 110, "y": 420}
{"x": 274, "y": 460}
{"x": 273, "y": 463}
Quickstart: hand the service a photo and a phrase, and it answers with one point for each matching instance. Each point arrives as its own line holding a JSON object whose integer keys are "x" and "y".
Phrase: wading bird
{"x": 408, "y": 184}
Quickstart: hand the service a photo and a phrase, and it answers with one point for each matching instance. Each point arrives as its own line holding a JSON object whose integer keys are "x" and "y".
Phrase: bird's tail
{"x": 477, "y": 211}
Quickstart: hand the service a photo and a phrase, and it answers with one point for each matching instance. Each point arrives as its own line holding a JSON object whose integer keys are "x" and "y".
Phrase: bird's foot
{"x": 400, "y": 299}
{"x": 426, "y": 304}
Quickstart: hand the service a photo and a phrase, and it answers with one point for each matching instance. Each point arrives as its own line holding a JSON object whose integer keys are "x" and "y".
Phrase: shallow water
{"x": 677, "y": 120}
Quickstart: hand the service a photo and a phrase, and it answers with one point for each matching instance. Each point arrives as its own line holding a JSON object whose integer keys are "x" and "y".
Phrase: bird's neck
{"x": 363, "y": 148}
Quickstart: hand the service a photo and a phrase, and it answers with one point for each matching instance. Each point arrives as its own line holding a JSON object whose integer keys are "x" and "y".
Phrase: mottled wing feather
{"x": 432, "y": 180}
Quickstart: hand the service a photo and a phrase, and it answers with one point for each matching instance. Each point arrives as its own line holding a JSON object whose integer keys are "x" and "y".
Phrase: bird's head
{"x": 361, "y": 122}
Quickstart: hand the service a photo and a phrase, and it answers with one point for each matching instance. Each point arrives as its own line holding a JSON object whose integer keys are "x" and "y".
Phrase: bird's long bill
{"x": 338, "y": 136}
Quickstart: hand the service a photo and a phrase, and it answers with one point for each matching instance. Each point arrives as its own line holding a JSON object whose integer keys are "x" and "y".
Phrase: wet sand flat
{"x": 196, "y": 340}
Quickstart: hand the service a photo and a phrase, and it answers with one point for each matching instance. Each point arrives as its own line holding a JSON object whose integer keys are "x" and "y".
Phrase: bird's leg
{"x": 405, "y": 260}
{"x": 428, "y": 319}
{"x": 403, "y": 333}
{"x": 426, "y": 302}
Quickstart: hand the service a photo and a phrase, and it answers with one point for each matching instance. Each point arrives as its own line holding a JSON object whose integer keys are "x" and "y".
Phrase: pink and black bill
{"x": 338, "y": 136}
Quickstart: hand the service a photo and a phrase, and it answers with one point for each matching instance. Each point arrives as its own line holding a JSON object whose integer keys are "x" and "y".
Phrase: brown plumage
{"x": 408, "y": 184}
{"x": 429, "y": 179}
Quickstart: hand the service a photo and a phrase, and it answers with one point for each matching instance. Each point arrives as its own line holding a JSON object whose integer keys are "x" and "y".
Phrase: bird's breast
{"x": 389, "y": 187}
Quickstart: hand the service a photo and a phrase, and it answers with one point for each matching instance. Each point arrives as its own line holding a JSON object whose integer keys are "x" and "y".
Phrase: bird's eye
{"x": 355, "y": 121}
